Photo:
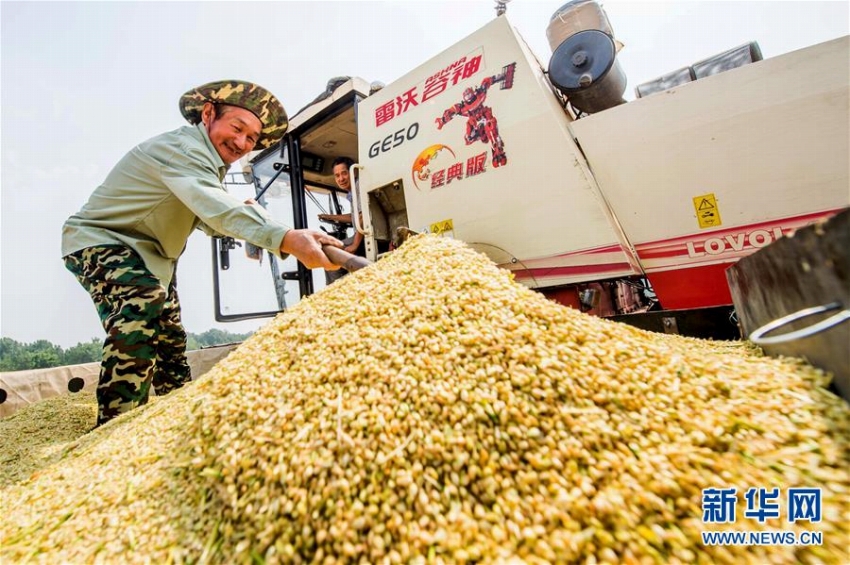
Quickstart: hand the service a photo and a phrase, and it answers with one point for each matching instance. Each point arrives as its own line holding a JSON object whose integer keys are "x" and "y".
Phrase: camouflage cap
{"x": 250, "y": 96}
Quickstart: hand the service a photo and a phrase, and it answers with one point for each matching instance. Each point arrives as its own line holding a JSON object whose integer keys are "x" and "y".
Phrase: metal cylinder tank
{"x": 576, "y": 16}
{"x": 584, "y": 67}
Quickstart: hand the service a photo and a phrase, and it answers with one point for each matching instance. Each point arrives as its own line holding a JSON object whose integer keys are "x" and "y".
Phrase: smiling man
{"x": 123, "y": 245}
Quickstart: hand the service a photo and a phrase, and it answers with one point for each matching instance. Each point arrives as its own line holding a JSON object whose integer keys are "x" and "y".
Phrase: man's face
{"x": 341, "y": 176}
{"x": 234, "y": 132}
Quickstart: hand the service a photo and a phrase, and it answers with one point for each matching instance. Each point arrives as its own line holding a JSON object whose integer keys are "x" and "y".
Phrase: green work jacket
{"x": 160, "y": 192}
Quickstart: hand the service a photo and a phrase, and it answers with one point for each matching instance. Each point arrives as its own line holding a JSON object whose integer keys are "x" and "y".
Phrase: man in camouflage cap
{"x": 253, "y": 97}
{"x": 123, "y": 245}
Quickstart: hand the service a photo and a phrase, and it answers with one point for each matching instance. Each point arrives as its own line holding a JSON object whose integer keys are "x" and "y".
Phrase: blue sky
{"x": 83, "y": 82}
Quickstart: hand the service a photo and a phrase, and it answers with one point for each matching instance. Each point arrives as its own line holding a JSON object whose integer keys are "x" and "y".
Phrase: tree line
{"x": 42, "y": 354}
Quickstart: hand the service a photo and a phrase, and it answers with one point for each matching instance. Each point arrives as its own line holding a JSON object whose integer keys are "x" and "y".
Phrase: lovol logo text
{"x": 733, "y": 242}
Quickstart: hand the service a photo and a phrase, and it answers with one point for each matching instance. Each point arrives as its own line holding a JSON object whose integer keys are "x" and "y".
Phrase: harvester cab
{"x": 294, "y": 181}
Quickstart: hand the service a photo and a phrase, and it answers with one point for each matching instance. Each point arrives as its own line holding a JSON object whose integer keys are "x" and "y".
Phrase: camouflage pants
{"x": 145, "y": 341}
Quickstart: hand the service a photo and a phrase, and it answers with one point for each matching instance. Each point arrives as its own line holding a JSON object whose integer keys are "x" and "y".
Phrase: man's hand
{"x": 306, "y": 246}
{"x": 338, "y": 218}
{"x": 355, "y": 243}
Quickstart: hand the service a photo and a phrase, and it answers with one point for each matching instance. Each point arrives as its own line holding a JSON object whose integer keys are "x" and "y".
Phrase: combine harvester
{"x": 628, "y": 210}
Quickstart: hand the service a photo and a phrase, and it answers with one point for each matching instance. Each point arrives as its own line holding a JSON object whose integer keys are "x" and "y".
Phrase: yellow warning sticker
{"x": 708, "y": 214}
{"x": 444, "y": 227}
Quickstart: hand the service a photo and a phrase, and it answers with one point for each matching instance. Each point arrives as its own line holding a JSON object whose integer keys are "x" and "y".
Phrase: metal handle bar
{"x": 356, "y": 205}
{"x": 758, "y": 338}
{"x": 344, "y": 259}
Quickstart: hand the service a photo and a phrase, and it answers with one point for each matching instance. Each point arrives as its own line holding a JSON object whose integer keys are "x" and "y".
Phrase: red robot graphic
{"x": 481, "y": 124}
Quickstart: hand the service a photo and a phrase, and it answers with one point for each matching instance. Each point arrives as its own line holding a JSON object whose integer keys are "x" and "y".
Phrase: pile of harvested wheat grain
{"x": 430, "y": 409}
{"x": 36, "y": 436}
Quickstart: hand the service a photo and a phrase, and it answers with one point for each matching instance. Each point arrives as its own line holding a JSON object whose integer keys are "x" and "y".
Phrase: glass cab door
{"x": 250, "y": 282}
{"x": 295, "y": 183}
